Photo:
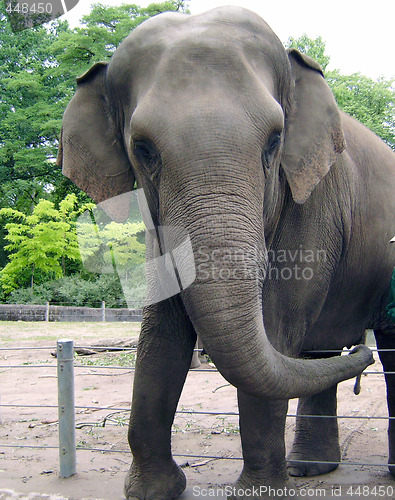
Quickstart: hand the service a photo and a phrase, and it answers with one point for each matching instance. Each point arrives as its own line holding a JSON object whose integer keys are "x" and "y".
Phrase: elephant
{"x": 288, "y": 204}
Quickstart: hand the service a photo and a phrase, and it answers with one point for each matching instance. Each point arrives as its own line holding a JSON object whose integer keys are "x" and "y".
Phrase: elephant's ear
{"x": 313, "y": 134}
{"x": 91, "y": 150}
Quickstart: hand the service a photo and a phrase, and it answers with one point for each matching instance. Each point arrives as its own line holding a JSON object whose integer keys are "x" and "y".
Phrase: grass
{"x": 126, "y": 359}
{"x": 24, "y": 331}
{"x": 223, "y": 426}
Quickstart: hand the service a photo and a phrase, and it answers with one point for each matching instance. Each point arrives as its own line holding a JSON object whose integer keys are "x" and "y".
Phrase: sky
{"x": 359, "y": 36}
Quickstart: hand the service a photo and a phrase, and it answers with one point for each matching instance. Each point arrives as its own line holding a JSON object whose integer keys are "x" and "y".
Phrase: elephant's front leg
{"x": 316, "y": 437}
{"x": 262, "y": 428}
{"x": 163, "y": 358}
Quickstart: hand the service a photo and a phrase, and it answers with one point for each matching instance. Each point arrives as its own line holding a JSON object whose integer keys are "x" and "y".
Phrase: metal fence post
{"x": 103, "y": 311}
{"x": 66, "y": 407}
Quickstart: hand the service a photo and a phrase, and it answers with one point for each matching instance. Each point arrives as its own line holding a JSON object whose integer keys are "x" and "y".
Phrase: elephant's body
{"x": 351, "y": 213}
{"x": 242, "y": 145}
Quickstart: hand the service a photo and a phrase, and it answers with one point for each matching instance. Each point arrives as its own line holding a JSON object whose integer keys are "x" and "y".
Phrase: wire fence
{"x": 115, "y": 409}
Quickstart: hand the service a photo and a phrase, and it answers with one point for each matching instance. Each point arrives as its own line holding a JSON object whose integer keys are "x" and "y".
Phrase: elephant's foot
{"x": 159, "y": 483}
{"x": 300, "y": 458}
{"x": 316, "y": 438}
{"x": 255, "y": 485}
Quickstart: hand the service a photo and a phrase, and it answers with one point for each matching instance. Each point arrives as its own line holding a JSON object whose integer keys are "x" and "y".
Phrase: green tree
{"x": 110, "y": 246}
{"x": 114, "y": 248}
{"x": 372, "y": 102}
{"x": 30, "y": 107}
{"x": 40, "y": 244}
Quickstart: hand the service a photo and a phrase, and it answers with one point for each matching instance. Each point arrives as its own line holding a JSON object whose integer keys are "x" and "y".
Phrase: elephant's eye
{"x": 271, "y": 149}
{"x": 146, "y": 154}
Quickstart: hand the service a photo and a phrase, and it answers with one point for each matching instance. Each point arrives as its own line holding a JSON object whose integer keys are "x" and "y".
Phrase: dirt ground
{"x": 197, "y": 438}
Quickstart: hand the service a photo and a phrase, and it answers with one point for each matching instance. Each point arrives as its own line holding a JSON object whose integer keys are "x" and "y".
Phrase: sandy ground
{"x": 196, "y": 438}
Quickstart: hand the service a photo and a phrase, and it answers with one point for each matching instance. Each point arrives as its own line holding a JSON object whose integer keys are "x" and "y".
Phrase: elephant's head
{"x": 212, "y": 117}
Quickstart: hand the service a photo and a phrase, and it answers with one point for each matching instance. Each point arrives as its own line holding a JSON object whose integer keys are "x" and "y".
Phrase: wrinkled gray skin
{"x": 242, "y": 144}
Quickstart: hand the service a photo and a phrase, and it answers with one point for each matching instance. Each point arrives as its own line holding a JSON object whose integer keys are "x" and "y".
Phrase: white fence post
{"x": 47, "y": 311}
{"x": 66, "y": 407}
{"x": 103, "y": 311}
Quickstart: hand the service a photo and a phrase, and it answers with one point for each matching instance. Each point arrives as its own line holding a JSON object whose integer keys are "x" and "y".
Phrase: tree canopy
{"x": 40, "y": 244}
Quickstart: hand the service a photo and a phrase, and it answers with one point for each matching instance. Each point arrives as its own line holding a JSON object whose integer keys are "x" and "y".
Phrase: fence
{"x": 49, "y": 312}
{"x": 67, "y": 448}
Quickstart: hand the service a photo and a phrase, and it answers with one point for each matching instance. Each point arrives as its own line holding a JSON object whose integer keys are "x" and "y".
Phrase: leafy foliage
{"x": 116, "y": 245}
{"x": 41, "y": 244}
{"x": 115, "y": 248}
{"x": 369, "y": 101}
{"x": 75, "y": 290}
{"x": 31, "y": 105}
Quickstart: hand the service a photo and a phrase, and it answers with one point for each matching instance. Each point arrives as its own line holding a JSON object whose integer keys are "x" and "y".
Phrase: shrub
{"x": 73, "y": 290}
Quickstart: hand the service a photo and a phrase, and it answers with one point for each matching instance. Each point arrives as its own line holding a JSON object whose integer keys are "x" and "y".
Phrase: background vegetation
{"x": 39, "y": 256}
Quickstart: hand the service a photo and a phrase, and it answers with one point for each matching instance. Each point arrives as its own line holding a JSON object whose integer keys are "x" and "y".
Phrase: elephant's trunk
{"x": 225, "y": 306}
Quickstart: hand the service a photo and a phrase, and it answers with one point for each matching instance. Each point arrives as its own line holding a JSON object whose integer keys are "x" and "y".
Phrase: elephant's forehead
{"x": 220, "y": 31}
{"x": 177, "y": 51}
{"x": 227, "y": 22}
